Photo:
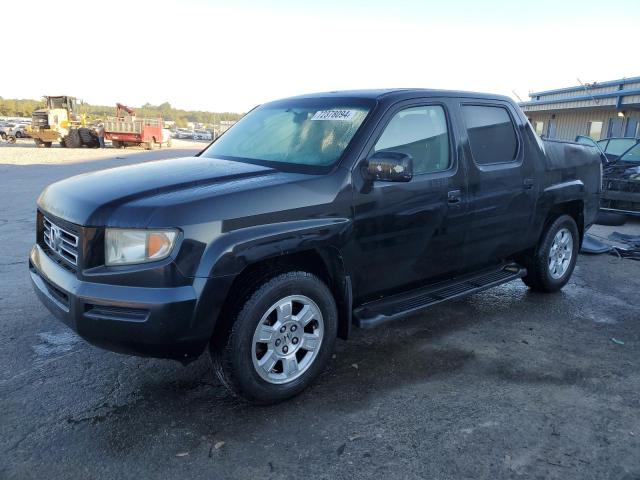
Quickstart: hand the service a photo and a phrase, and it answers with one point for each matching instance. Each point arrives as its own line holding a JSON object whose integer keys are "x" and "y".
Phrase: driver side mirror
{"x": 388, "y": 167}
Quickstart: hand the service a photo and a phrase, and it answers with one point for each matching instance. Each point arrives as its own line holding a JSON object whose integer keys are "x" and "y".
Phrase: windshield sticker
{"x": 334, "y": 115}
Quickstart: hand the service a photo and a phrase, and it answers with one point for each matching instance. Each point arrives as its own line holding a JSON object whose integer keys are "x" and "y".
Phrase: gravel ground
{"x": 504, "y": 384}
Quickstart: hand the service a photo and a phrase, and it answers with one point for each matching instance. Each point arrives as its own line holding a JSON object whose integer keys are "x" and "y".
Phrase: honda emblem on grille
{"x": 55, "y": 238}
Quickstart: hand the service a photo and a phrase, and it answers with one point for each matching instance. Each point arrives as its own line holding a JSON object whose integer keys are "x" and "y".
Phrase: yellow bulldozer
{"x": 60, "y": 122}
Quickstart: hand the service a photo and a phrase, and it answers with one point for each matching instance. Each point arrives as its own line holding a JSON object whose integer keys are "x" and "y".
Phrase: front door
{"x": 409, "y": 232}
{"x": 501, "y": 183}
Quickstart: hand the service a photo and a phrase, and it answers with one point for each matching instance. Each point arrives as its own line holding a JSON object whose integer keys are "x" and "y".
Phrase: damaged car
{"x": 621, "y": 173}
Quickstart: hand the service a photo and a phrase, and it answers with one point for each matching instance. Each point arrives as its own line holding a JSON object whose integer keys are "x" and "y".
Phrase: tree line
{"x": 24, "y": 108}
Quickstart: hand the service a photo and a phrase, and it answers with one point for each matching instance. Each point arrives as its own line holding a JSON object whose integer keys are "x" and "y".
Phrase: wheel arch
{"x": 573, "y": 208}
{"x": 324, "y": 262}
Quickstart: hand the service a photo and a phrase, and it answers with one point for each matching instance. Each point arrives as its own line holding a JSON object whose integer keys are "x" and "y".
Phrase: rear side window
{"x": 422, "y": 133}
{"x": 492, "y": 137}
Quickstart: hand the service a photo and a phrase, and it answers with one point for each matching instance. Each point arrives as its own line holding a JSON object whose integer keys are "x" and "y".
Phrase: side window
{"x": 492, "y": 136}
{"x": 422, "y": 133}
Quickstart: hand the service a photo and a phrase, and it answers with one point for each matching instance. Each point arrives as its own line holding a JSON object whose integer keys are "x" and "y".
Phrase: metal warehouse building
{"x": 599, "y": 110}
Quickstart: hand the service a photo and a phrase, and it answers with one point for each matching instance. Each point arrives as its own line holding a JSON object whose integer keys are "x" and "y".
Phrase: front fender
{"x": 229, "y": 253}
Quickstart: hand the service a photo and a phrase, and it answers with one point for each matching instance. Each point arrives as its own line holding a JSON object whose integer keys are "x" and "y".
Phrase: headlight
{"x": 122, "y": 247}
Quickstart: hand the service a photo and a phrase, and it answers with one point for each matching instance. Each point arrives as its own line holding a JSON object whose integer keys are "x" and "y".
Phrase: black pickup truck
{"x": 311, "y": 215}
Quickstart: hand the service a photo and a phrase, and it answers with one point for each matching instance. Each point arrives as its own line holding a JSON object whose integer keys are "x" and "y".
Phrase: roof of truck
{"x": 401, "y": 93}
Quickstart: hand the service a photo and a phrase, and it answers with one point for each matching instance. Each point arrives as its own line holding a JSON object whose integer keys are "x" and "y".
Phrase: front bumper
{"x": 158, "y": 322}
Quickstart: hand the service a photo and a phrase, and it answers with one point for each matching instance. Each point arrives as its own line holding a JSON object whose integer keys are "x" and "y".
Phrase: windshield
{"x": 617, "y": 146}
{"x": 57, "y": 102}
{"x": 632, "y": 155}
{"x": 303, "y": 132}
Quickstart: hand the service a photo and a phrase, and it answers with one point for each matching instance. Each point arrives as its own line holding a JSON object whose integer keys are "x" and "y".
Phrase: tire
{"x": 612, "y": 219}
{"x": 11, "y": 139}
{"x": 48, "y": 144}
{"x": 115, "y": 144}
{"x": 3, "y": 135}
{"x": 547, "y": 274}
{"x": 88, "y": 138}
{"x": 236, "y": 355}
{"x": 73, "y": 140}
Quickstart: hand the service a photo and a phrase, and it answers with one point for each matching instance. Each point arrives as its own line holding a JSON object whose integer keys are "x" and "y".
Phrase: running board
{"x": 381, "y": 311}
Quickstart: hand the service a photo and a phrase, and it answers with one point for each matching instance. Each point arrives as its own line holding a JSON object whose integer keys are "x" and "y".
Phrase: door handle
{"x": 454, "y": 196}
{"x": 528, "y": 183}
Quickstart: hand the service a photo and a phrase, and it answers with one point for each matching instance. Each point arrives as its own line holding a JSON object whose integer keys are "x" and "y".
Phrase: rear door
{"x": 501, "y": 182}
{"x": 408, "y": 232}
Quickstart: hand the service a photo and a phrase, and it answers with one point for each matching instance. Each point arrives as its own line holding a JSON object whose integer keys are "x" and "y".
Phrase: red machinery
{"x": 126, "y": 130}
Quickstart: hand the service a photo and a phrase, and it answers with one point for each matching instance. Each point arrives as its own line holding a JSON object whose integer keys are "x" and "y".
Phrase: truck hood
{"x": 94, "y": 199}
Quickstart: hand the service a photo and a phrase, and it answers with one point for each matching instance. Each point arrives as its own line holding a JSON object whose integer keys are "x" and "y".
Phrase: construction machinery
{"x": 60, "y": 122}
{"x": 125, "y": 129}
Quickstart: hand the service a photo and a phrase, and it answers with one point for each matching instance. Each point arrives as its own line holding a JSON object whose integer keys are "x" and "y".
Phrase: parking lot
{"x": 504, "y": 384}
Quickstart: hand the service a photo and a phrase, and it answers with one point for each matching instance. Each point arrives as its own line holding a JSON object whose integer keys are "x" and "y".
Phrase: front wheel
{"x": 280, "y": 340}
{"x": 555, "y": 258}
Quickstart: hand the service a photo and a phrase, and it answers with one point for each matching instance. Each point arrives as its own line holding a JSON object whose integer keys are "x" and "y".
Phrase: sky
{"x": 233, "y": 55}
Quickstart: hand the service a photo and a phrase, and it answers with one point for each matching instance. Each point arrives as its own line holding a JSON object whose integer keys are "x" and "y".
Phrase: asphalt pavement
{"x": 504, "y": 384}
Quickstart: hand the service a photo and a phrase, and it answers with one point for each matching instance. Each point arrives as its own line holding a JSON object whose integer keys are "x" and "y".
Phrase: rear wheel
{"x": 19, "y": 134}
{"x": 555, "y": 258}
{"x": 48, "y": 144}
{"x": 3, "y": 135}
{"x": 280, "y": 340}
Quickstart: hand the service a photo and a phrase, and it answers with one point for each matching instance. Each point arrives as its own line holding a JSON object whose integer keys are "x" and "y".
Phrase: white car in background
{"x": 202, "y": 135}
{"x": 13, "y": 130}
{"x": 184, "y": 133}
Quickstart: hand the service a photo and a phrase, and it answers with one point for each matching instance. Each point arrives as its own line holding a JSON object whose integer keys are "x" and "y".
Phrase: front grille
{"x": 61, "y": 242}
{"x": 39, "y": 119}
{"x": 623, "y": 185}
{"x": 102, "y": 312}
